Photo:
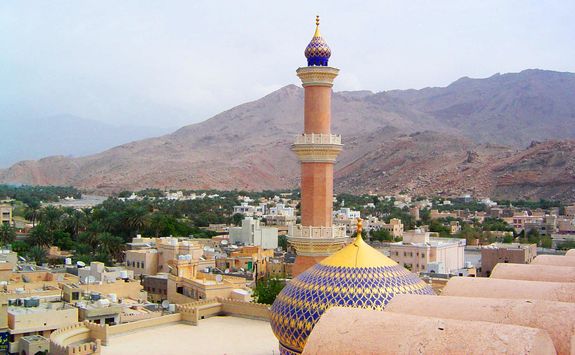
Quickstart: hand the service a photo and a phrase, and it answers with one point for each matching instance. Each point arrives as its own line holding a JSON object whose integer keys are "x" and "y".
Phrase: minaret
{"x": 317, "y": 150}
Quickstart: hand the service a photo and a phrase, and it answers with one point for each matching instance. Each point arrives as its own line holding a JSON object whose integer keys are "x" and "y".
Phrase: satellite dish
{"x": 21, "y": 258}
{"x": 219, "y": 278}
{"x": 80, "y": 263}
{"x": 165, "y": 304}
{"x": 227, "y": 271}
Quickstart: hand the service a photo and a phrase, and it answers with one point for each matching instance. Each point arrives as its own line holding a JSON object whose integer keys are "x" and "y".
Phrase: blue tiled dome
{"x": 356, "y": 276}
{"x": 317, "y": 51}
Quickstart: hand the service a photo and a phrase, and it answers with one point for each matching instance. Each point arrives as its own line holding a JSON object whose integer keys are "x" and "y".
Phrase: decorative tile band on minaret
{"x": 317, "y": 149}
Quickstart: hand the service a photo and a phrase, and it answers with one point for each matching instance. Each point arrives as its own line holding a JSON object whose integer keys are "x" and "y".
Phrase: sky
{"x": 175, "y": 62}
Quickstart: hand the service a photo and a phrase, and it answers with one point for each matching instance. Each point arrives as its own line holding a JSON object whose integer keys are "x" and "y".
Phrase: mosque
{"x": 346, "y": 297}
{"x": 335, "y": 304}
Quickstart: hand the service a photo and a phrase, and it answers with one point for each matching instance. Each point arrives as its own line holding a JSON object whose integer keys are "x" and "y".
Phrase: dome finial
{"x": 317, "y": 51}
{"x": 359, "y": 227}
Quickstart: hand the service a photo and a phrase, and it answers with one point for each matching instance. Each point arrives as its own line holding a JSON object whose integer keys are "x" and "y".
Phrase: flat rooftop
{"x": 215, "y": 335}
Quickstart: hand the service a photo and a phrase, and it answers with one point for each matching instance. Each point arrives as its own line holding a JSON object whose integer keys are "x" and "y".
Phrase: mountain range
{"x": 506, "y": 136}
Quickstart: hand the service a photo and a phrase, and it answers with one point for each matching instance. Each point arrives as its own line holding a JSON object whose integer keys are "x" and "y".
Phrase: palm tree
{"x": 31, "y": 213}
{"x": 136, "y": 218}
{"x": 7, "y": 234}
{"x": 38, "y": 254}
{"x": 74, "y": 221}
{"x": 41, "y": 236}
{"x": 110, "y": 245}
{"x": 51, "y": 216}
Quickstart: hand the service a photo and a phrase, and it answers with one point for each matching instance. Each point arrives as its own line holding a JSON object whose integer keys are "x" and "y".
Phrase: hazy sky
{"x": 169, "y": 63}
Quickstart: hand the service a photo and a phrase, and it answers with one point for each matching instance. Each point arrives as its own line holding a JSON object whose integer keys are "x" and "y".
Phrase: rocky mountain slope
{"x": 468, "y": 137}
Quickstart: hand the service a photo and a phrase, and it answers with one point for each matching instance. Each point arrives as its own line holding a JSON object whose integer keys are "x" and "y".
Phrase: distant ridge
{"x": 473, "y": 136}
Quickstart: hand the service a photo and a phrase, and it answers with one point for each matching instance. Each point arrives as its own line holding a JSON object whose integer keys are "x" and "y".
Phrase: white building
{"x": 421, "y": 253}
{"x": 251, "y": 233}
{"x": 251, "y": 211}
{"x": 346, "y": 213}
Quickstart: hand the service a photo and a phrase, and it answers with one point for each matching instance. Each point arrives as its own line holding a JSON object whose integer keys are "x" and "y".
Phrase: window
{"x": 422, "y": 255}
{"x": 75, "y": 296}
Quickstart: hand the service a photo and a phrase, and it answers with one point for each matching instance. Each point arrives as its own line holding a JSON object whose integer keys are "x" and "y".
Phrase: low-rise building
{"x": 505, "y": 253}
{"x": 142, "y": 261}
{"x": 6, "y": 214}
{"x": 186, "y": 284}
{"x": 250, "y": 211}
{"x": 98, "y": 272}
{"x": 32, "y": 317}
{"x": 419, "y": 252}
{"x": 252, "y": 233}
{"x": 157, "y": 287}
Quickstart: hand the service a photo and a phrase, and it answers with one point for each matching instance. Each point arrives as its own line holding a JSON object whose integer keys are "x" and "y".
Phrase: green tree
{"x": 438, "y": 227}
{"x": 381, "y": 235}
{"x": 237, "y": 218}
{"x": 37, "y": 254}
{"x": 41, "y": 236}
{"x": 282, "y": 242}
{"x": 7, "y": 234}
{"x": 32, "y": 212}
{"x": 110, "y": 245}
{"x": 267, "y": 290}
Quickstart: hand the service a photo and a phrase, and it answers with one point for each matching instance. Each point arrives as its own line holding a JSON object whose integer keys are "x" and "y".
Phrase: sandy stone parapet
{"x": 534, "y": 272}
{"x": 513, "y": 289}
{"x": 557, "y": 260}
{"x": 546, "y": 315}
{"x": 360, "y": 331}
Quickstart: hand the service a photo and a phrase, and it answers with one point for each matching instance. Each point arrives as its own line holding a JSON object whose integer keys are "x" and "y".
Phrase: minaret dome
{"x": 317, "y": 51}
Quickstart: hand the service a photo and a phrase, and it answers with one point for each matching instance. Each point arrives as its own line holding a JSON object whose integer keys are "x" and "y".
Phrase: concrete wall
{"x": 528, "y": 313}
{"x": 556, "y": 260}
{"x": 340, "y": 330}
{"x": 533, "y": 272}
{"x": 40, "y": 321}
{"x": 512, "y": 289}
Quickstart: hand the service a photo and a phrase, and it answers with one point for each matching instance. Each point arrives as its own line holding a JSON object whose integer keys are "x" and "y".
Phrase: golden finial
{"x": 317, "y": 34}
{"x": 359, "y": 227}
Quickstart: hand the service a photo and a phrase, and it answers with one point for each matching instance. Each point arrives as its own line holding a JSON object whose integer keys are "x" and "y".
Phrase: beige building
{"x": 419, "y": 252}
{"x": 142, "y": 261}
{"x": 503, "y": 253}
{"x": 35, "y": 318}
{"x": 186, "y": 284}
{"x": 152, "y": 256}
{"x": 6, "y": 214}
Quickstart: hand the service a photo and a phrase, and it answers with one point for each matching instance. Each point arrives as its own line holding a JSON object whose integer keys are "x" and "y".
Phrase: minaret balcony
{"x": 317, "y": 148}
{"x": 310, "y": 240}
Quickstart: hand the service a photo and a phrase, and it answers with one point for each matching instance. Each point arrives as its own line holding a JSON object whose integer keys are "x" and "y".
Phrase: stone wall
{"x": 245, "y": 309}
{"x": 61, "y": 341}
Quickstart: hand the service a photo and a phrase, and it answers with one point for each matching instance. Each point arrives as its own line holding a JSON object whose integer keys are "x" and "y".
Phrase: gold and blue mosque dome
{"x": 317, "y": 51}
{"x": 357, "y": 276}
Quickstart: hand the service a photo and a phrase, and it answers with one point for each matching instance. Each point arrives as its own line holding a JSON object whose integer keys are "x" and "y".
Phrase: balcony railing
{"x": 318, "y": 138}
{"x": 299, "y": 231}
